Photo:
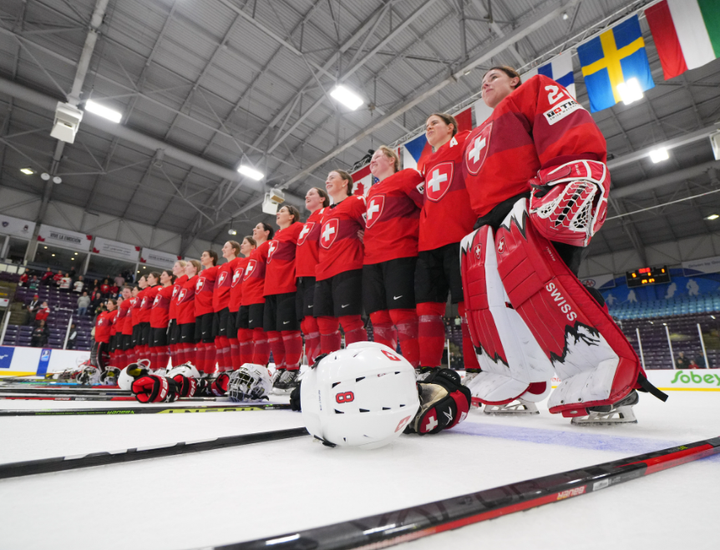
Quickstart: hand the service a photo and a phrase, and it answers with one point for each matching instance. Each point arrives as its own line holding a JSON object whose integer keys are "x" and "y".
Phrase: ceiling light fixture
{"x": 100, "y": 110}
{"x": 45, "y": 176}
{"x": 712, "y": 217}
{"x": 232, "y": 231}
{"x": 659, "y": 155}
{"x": 250, "y": 172}
{"x": 565, "y": 16}
{"x": 27, "y": 171}
{"x": 57, "y": 180}
{"x": 630, "y": 91}
{"x": 346, "y": 97}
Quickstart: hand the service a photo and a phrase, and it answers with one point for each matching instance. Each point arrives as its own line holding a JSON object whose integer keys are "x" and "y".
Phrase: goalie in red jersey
{"x": 537, "y": 179}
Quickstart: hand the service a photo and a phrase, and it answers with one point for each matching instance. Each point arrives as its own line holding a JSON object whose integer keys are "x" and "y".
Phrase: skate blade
{"x": 621, "y": 415}
{"x": 512, "y": 409}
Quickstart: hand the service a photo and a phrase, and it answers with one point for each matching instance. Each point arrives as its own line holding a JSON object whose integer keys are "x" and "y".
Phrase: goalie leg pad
{"x": 510, "y": 358}
{"x": 592, "y": 357}
{"x": 444, "y": 403}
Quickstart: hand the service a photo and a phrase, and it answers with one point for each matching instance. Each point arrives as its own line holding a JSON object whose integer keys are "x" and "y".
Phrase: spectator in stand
{"x": 83, "y": 302}
{"x": 40, "y": 335}
{"x": 105, "y": 287}
{"x": 72, "y": 273}
{"x": 119, "y": 281}
{"x": 34, "y": 283}
{"x": 96, "y": 287}
{"x": 681, "y": 362}
{"x": 114, "y": 290}
{"x": 65, "y": 283}
{"x": 34, "y": 304}
{"x": 72, "y": 337}
{"x": 47, "y": 277}
{"x": 24, "y": 278}
{"x": 96, "y": 301}
{"x": 79, "y": 285}
{"x": 57, "y": 278}
{"x": 42, "y": 313}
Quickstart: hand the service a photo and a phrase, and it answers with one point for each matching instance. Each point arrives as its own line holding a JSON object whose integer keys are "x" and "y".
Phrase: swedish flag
{"x": 612, "y": 58}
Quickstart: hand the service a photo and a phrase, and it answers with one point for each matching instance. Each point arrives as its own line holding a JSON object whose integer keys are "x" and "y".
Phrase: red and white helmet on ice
{"x": 362, "y": 396}
{"x": 131, "y": 373}
{"x": 188, "y": 370}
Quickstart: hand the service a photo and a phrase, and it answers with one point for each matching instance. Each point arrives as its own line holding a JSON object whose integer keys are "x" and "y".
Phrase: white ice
{"x": 267, "y": 489}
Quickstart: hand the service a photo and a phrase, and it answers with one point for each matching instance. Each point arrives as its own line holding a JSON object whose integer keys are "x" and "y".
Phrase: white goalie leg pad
{"x": 509, "y": 356}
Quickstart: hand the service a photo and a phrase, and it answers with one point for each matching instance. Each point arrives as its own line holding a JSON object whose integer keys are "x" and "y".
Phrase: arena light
{"x": 232, "y": 232}
{"x": 27, "y": 171}
{"x": 630, "y": 91}
{"x": 712, "y": 217}
{"x": 100, "y": 110}
{"x": 346, "y": 97}
{"x": 659, "y": 155}
{"x": 250, "y": 172}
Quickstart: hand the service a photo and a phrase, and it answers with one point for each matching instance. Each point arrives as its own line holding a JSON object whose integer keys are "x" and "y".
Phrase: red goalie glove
{"x": 568, "y": 203}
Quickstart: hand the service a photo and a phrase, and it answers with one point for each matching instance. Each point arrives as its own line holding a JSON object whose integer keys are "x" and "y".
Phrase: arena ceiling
{"x": 204, "y": 85}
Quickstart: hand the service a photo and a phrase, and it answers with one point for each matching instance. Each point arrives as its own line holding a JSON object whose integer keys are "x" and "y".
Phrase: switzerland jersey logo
{"x": 252, "y": 264}
{"x": 476, "y": 150}
{"x": 157, "y": 300}
{"x": 237, "y": 275}
{"x": 307, "y": 228}
{"x": 222, "y": 278}
{"x": 182, "y": 295}
{"x": 438, "y": 180}
{"x": 329, "y": 233}
{"x": 375, "y": 209}
{"x": 272, "y": 247}
{"x": 200, "y": 284}
{"x": 143, "y": 304}
{"x": 175, "y": 291}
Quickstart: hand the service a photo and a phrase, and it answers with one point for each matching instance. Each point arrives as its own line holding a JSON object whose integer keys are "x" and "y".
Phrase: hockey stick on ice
{"x": 150, "y": 409}
{"x": 97, "y": 398}
{"x": 80, "y": 390}
{"x": 63, "y": 463}
{"x": 391, "y": 528}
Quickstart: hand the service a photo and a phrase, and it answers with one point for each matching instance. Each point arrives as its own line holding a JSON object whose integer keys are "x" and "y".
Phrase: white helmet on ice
{"x": 188, "y": 370}
{"x": 131, "y": 373}
{"x": 362, "y": 396}
{"x": 251, "y": 382}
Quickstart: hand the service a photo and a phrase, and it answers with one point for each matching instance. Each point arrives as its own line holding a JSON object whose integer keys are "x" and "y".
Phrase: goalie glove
{"x": 154, "y": 389}
{"x": 444, "y": 403}
{"x": 568, "y": 203}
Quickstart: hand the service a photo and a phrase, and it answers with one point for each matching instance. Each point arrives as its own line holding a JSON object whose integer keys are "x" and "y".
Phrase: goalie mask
{"x": 250, "y": 382}
{"x": 362, "y": 396}
{"x": 131, "y": 373}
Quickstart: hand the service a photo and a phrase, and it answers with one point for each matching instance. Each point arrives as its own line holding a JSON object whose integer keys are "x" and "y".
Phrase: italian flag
{"x": 686, "y": 33}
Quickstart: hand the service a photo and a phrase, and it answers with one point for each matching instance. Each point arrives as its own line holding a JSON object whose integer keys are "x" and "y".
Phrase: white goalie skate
{"x": 516, "y": 408}
{"x": 617, "y": 413}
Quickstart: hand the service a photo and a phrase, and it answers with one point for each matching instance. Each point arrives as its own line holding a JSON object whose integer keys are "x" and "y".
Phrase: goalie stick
{"x": 230, "y": 407}
{"x": 64, "y": 463}
{"x": 399, "y": 526}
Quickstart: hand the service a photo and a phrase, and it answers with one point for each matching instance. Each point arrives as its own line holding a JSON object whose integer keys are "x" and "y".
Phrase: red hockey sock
{"x": 431, "y": 333}
{"x": 246, "y": 345}
{"x": 277, "y": 347}
{"x": 311, "y": 332}
{"x": 469, "y": 357}
{"x": 211, "y": 366}
{"x": 383, "y": 330}
{"x": 234, "y": 354}
{"x": 261, "y": 349}
{"x": 353, "y": 328}
{"x": 406, "y": 322}
{"x": 328, "y": 327}
{"x": 293, "y": 348}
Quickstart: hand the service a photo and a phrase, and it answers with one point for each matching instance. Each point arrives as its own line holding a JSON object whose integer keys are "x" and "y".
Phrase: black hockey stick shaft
{"x": 149, "y": 409}
{"x": 64, "y": 391}
{"x": 64, "y": 463}
{"x": 95, "y": 398}
{"x": 416, "y": 522}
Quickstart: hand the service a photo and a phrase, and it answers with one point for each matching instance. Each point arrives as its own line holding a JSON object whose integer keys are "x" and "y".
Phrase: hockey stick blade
{"x": 64, "y": 463}
{"x": 391, "y": 528}
{"x": 230, "y": 407}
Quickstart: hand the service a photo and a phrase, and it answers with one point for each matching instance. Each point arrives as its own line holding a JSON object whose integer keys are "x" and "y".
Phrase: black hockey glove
{"x": 444, "y": 403}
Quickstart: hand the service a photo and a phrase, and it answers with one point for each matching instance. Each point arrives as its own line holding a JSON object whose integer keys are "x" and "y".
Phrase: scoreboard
{"x": 647, "y": 276}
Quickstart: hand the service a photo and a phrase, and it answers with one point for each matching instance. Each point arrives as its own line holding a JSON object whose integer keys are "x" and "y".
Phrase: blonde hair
{"x": 391, "y": 154}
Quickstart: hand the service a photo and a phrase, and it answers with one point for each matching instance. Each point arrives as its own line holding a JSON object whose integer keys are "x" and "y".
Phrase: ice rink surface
{"x": 267, "y": 489}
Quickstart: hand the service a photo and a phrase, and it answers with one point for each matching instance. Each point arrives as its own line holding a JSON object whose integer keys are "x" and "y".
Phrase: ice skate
{"x": 515, "y": 408}
{"x": 617, "y": 413}
{"x": 469, "y": 375}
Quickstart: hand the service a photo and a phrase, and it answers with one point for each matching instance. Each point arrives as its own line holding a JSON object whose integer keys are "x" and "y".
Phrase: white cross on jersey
{"x": 432, "y": 424}
{"x": 436, "y": 180}
{"x": 477, "y": 148}
{"x": 305, "y": 231}
{"x": 374, "y": 207}
{"x": 329, "y": 230}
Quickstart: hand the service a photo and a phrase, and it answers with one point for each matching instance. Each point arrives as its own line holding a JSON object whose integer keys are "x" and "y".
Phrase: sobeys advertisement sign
{"x": 686, "y": 379}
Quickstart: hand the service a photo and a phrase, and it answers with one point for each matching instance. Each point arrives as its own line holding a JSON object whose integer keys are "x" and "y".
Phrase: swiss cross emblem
{"x": 249, "y": 269}
{"x": 143, "y": 303}
{"x": 390, "y": 356}
{"x": 223, "y": 276}
{"x": 375, "y": 209}
{"x": 200, "y": 284}
{"x": 476, "y": 149}
{"x": 175, "y": 291}
{"x": 236, "y": 276}
{"x": 501, "y": 245}
{"x": 181, "y": 296}
{"x": 272, "y": 247}
{"x": 329, "y": 232}
{"x": 478, "y": 251}
{"x": 432, "y": 423}
{"x": 438, "y": 180}
{"x": 307, "y": 228}
{"x": 157, "y": 300}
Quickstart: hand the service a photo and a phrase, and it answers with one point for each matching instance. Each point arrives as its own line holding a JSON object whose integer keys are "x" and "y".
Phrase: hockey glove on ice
{"x": 444, "y": 403}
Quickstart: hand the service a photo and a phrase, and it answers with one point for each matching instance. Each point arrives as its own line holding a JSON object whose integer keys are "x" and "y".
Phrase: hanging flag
{"x": 560, "y": 69}
{"x": 417, "y": 149}
{"x": 362, "y": 181}
{"x": 613, "y": 58}
{"x": 686, "y": 33}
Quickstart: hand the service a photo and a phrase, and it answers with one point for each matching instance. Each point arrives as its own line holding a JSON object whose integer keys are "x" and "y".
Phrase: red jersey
{"x": 177, "y": 285}
{"x": 280, "y": 269}
{"x": 161, "y": 306}
{"x": 102, "y": 327}
{"x": 126, "y": 316}
{"x": 306, "y": 256}
{"x": 147, "y": 297}
{"x": 539, "y": 125}
{"x": 135, "y": 309}
{"x": 185, "y": 302}
{"x": 446, "y": 216}
{"x": 254, "y": 276}
{"x": 221, "y": 294}
{"x": 204, "y": 289}
{"x": 340, "y": 247}
{"x": 393, "y": 217}
{"x": 117, "y": 322}
{"x": 236, "y": 285}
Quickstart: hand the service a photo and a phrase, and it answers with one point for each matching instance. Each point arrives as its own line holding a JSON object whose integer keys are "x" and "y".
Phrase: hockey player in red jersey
{"x": 173, "y": 327}
{"x": 280, "y": 317}
{"x": 445, "y": 219}
{"x": 223, "y": 322}
{"x": 339, "y": 270}
{"x": 390, "y": 241}
{"x": 306, "y": 259}
{"x": 147, "y": 298}
{"x": 204, "y": 289}
{"x": 241, "y": 342}
{"x": 535, "y": 171}
{"x": 185, "y": 310}
{"x": 253, "y": 299}
{"x": 159, "y": 321}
